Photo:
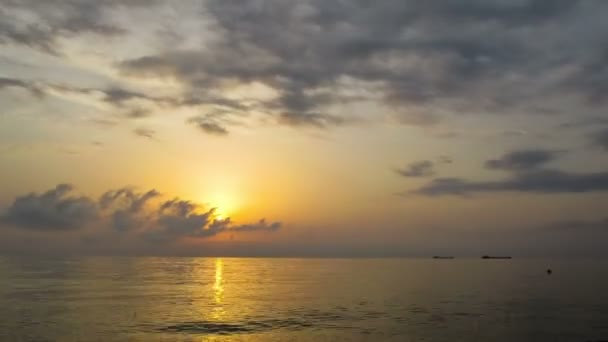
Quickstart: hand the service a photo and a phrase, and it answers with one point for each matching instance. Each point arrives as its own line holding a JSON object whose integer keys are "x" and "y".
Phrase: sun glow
{"x": 225, "y": 204}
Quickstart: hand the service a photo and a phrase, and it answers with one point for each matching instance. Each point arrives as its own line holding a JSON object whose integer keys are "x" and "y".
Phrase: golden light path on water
{"x": 218, "y": 290}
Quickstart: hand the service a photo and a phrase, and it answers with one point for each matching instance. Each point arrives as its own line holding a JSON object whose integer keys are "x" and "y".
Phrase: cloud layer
{"x": 40, "y": 24}
{"x": 142, "y": 214}
{"x": 600, "y": 139}
{"x": 539, "y": 181}
{"x": 522, "y": 160}
{"x": 526, "y": 175}
{"x": 52, "y": 210}
{"x": 420, "y": 62}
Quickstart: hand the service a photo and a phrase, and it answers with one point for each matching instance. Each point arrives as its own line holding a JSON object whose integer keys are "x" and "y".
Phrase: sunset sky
{"x": 313, "y": 127}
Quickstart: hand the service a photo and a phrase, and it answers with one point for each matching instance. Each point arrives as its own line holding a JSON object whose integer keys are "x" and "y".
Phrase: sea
{"x": 283, "y": 299}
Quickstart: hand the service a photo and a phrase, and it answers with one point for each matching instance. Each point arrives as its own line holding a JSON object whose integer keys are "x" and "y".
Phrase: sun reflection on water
{"x": 218, "y": 287}
{"x": 218, "y": 290}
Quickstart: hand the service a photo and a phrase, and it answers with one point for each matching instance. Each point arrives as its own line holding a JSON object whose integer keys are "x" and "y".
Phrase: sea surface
{"x": 264, "y": 299}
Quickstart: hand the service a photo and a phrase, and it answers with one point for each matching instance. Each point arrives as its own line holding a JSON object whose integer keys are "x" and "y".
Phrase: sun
{"x": 225, "y": 204}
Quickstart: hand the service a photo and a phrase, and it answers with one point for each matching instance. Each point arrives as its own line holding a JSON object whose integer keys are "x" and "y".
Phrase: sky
{"x": 304, "y": 128}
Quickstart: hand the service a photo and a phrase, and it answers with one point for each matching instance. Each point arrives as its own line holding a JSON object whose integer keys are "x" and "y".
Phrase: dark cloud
{"x": 419, "y": 61}
{"x": 29, "y": 35}
{"x": 118, "y": 98}
{"x": 11, "y": 82}
{"x": 585, "y": 123}
{"x": 578, "y": 226}
{"x": 208, "y": 125}
{"x": 137, "y": 113}
{"x": 592, "y": 78}
{"x": 112, "y": 95}
{"x": 522, "y": 160}
{"x": 449, "y": 134}
{"x": 179, "y": 218}
{"x": 536, "y": 181}
{"x": 17, "y": 83}
{"x": 125, "y": 211}
{"x": 445, "y": 160}
{"x": 600, "y": 139}
{"x": 124, "y": 206}
{"x": 422, "y": 168}
{"x": 127, "y": 197}
{"x": 145, "y": 133}
{"x": 105, "y": 123}
{"x": 309, "y": 119}
{"x": 469, "y": 56}
{"x": 52, "y": 210}
{"x": 261, "y": 225}
{"x": 514, "y": 133}
{"x": 39, "y": 24}
{"x": 118, "y": 95}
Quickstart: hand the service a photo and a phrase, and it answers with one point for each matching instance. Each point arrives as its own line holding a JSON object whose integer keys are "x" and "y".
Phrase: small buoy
{"x": 549, "y": 271}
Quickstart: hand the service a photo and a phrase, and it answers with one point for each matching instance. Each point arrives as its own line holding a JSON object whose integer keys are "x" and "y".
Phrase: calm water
{"x": 206, "y": 299}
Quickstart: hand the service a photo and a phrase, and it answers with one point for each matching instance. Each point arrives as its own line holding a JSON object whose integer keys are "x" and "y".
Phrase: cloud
{"x": 535, "y": 181}
{"x": 103, "y": 123}
{"x": 584, "y": 123}
{"x": 17, "y": 83}
{"x": 309, "y": 119}
{"x": 126, "y": 206}
{"x": 52, "y": 210}
{"x": 208, "y": 125}
{"x": 145, "y": 133}
{"x": 522, "y": 160}
{"x": 129, "y": 104}
{"x": 600, "y": 225}
{"x": 600, "y": 139}
{"x": 445, "y": 160}
{"x": 260, "y": 225}
{"x": 126, "y": 197}
{"x": 422, "y": 168}
{"x": 11, "y": 82}
{"x": 112, "y": 95}
{"x": 592, "y": 78}
{"x": 514, "y": 133}
{"x": 179, "y": 218}
{"x": 40, "y": 24}
{"x": 417, "y": 60}
{"x": 118, "y": 95}
{"x": 143, "y": 215}
{"x": 115, "y": 96}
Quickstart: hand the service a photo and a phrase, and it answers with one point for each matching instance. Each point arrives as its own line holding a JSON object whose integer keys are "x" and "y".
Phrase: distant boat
{"x": 496, "y": 257}
{"x": 443, "y": 257}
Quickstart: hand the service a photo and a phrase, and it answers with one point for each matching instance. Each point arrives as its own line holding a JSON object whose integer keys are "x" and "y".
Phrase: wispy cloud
{"x": 422, "y": 168}
{"x": 145, "y": 133}
{"x": 600, "y": 139}
{"x": 536, "y": 181}
{"x": 522, "y": 160}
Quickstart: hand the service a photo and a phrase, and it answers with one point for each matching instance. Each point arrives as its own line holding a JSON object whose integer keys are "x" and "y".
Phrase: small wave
{"x": 205, "y": 327}
{"x": 466, "y": 314}
{"x": 208, "y": 327}
{"x": 304, "y": 320}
